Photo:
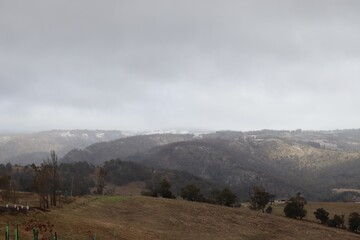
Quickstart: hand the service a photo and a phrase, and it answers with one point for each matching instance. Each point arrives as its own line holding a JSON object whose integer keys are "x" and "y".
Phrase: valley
{"x": 283, "y": 162}
{"x": 323, "y": 166}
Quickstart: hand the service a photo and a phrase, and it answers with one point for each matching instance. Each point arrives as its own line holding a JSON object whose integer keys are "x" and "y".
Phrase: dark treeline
{"x": 52, "y": 180}
{"x": 75, "y": 178}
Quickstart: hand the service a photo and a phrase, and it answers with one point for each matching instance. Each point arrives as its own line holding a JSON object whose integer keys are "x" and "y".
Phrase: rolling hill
{"x": 284, "y": 162}
{"x": 122, "y": 148}
{"x": 121, "y": 173}
{"x": 127, "y": 218}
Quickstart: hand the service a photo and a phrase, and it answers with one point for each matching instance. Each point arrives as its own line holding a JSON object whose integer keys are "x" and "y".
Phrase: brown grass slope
{"x": 117, "y": 217}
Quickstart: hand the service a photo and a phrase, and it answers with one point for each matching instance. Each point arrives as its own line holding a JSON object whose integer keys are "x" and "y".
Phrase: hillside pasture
{"x": 126, "y": 217}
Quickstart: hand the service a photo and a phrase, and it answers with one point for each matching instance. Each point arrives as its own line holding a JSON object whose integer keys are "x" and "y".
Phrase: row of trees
{"x": 190, "y": 192}
{"x": 47, "y": 181}
{"x": 224, "y": 197}
{"x": 338, "y": 220}
{"x": 259, "y": 198}
{"x": 51, "y": 180}
{"x": 295, "y": 209}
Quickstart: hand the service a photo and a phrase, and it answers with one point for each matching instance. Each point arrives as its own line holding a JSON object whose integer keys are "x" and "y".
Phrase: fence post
{"x": 16, "y": 233}
{"x": 7, "y": 232}
{"x": 94, "y": 238}
{"x": 36, "y": 233}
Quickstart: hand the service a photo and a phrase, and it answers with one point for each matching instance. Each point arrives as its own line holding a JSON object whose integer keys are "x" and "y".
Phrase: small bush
{"x": 191, "y": 193}
{"x": 295, "y": 210}
{"x": 354, "y": 222}
{"x": 226, "y": 198}
{"x": 337, "y": 221}
{"x": 164, "y": 189}
{"x": 295, "y": 207}
{"x": 269, "y": 209}
{"x": 259, "y": 199}
{"x": 322, "y": 215}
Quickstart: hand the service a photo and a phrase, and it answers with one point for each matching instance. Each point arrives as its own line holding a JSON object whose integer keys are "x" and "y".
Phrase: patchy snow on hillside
{"x": 100, "y": 135}
{"x": 67, "y": 134}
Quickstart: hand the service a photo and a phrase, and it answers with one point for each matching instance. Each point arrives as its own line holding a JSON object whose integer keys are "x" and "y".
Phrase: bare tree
{"x": 47, "y": 180}
{"x": 101, "y": 174}
{"x": 40, "y": 184}
{"x": 53, "y": 176}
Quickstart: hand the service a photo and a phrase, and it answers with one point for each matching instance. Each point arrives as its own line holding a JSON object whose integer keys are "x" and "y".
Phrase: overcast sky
{"x": 184, "y": 64}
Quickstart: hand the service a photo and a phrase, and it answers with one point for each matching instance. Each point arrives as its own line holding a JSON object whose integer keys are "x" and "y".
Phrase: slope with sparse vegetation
{"x": 118, "y": 217}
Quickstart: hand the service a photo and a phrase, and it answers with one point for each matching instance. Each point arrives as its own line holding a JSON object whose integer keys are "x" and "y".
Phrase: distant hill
{"x": 121, "y": 173}
{"x": 215, "y": 161}
{"x": 284, "y": 162}
{"x": 34, "y": 147}
{"x": 98, "y": 153}
{"x": 312, "y": 162}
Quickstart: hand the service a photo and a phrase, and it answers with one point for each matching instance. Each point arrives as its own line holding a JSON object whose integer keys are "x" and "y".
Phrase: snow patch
{"x": 67, "y": 134}
{"x": 5, "y": 139}
{"x": 100, "y": 135}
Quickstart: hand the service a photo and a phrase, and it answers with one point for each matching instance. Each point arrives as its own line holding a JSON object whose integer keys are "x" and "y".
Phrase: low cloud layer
{"x": 139, "y": 65}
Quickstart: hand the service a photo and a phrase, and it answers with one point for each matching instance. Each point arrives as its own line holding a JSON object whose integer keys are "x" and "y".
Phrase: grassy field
{"x": 119, "y": 217}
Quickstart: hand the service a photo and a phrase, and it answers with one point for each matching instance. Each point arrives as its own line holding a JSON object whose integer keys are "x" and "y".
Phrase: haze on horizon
{"x": 142, "y": 65}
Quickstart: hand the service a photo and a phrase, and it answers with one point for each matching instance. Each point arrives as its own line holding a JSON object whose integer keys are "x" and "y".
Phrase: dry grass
{"x": 119, "y": 217}
{"x": 131, "y": 189}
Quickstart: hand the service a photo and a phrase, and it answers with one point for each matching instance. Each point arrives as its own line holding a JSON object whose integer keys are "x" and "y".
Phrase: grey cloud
{"x": 162, "y": 64}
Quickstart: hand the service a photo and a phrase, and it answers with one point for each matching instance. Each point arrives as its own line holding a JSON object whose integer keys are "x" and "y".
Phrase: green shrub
{"x": 337, "y": 221}
{"x": 295, "y": 210}
{"x": 191, "y": 193}
{"x": 354, "y": 222}
{"x": 322, "y": 215}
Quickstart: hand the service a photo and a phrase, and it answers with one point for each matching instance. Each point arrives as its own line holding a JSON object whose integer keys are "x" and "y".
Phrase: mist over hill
{"x": 284, "y": 162}
{"x": 34, "y": 147}
{"x": 122, "y": 148}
